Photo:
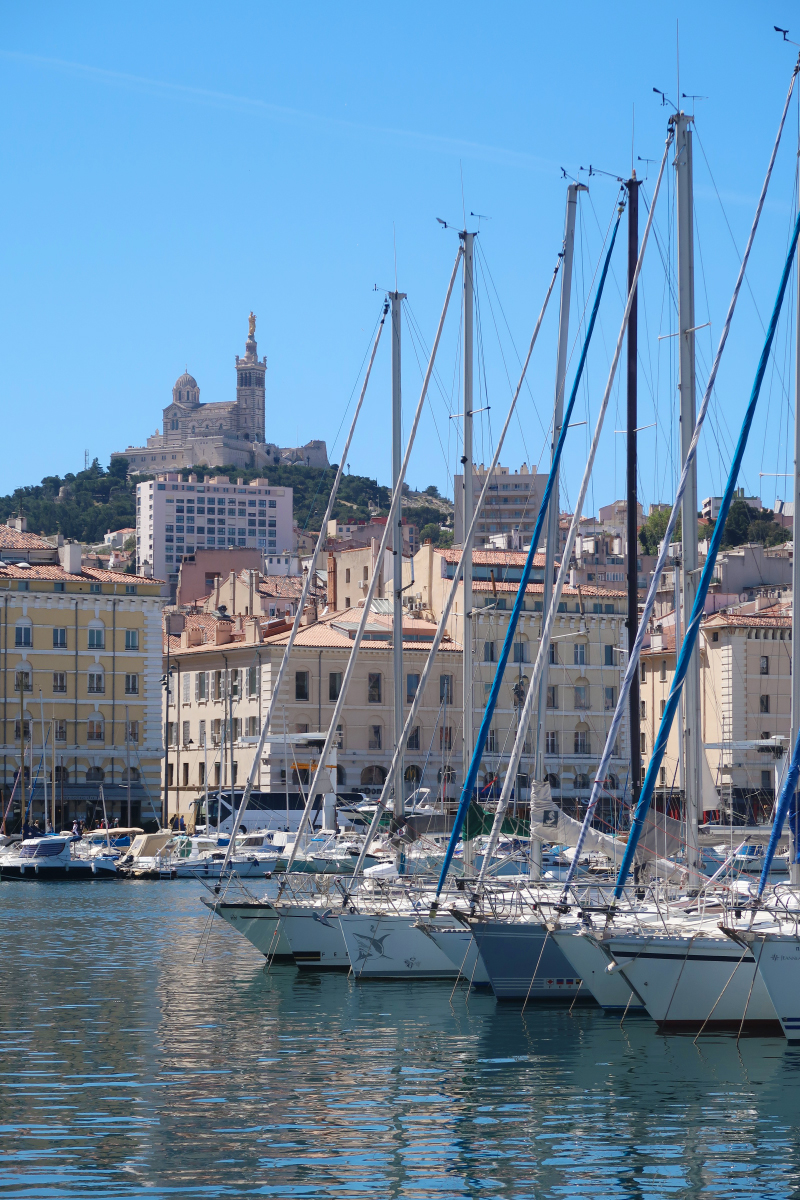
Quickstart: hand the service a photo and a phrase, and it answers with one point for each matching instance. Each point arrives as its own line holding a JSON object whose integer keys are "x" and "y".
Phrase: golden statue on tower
{"x": 252, "y": 321}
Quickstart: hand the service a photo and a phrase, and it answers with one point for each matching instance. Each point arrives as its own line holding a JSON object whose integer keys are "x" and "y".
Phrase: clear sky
{"x": 168, "y": 167}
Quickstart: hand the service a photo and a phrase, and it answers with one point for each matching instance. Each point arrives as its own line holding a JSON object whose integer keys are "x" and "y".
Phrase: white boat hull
{"x": 687, "y": 982}
{"x": 315, "y": 938}
{"x": 460, "y": 947}
{"x": 258, "y": 922}
{"x": 589, "y": 963}
{"x": 391, "y": 947}
{"x": 778, "y": 958}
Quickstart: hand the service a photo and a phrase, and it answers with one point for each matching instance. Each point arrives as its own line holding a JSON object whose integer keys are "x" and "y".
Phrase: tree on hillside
{"x": 654, "y": 528}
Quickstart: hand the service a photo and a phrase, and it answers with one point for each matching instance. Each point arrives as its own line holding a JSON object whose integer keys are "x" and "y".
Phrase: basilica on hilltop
{"x": 230, "y": 433}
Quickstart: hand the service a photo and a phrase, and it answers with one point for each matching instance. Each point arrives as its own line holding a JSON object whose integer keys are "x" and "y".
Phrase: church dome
{"x": 186, "y": 391}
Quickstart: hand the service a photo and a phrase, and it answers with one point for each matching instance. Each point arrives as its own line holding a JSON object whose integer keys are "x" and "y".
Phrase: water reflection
{"x": 130, "y": 1067}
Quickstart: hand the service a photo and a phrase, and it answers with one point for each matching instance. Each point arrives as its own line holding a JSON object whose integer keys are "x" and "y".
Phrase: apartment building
{"x": 512, "y": 503}
{"x": 223, "y": 672}
{"x": 584, "y": 670}
{"x": 745, "y": 693}
{"x": 361, "y": 533}
{"x": 175, "y": 518}
{"x": 81, "y": 669}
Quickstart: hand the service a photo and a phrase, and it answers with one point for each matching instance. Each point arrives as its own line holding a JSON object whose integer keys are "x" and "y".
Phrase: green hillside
{"x": 97, "y": 500}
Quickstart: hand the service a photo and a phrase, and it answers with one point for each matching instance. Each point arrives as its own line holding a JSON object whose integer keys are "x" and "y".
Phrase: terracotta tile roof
{"x": 56, "y": 572}
{"x": 494, "y": 558}
{"x": 588, "y": 591}
{"x": 778, "y": 616}
{"x": 12, "y": 539}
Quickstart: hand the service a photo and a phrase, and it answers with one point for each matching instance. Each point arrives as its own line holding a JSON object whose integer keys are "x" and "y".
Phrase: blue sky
{"x": 168, "y": 167}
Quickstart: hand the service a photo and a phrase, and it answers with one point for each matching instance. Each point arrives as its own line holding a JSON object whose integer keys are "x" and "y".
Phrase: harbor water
{"x": 134, "y": 1065}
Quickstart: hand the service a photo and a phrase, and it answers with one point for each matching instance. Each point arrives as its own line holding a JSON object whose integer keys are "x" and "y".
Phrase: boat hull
{"x": 590, "y": 964}
{"x": 391, "y": 947}
{"x": 687, "y": 983}
{"x": 460, "y": 947}
{"x": 315, "y": 938}
{"x": 258, "y": 922}
{"x": 75, "y": 871}
{"x": 523, "y": 963}
{"x": 779, "y": 966}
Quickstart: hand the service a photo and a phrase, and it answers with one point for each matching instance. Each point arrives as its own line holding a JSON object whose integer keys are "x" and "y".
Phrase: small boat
{"x": 51, "y": 858}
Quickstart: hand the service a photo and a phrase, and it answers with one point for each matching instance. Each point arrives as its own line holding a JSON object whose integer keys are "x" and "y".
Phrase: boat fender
{"x": 614, "y": 968}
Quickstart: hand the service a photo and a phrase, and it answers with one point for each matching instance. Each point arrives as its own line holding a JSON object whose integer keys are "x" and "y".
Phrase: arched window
{"x": 612, "y": 782}
{"x": 581, "y": 782}
{"x": 449, "y": 775}
{"x": 62, "y": 775}
{"x": 374, "y": 776}
{"x": 23, "y": 678}
{"x": 95, "y": 775}
{"x": 413, "y": 774}
{"x": 341, "y": 776}
{"x": 553, "y": 780}
{"x": 134, "y": 775}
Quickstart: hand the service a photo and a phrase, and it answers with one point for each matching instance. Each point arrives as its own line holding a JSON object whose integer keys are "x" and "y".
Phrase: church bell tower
{"x": 250, "y": 376}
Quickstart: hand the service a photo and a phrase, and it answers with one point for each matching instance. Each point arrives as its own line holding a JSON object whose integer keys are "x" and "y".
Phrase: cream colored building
{"x": 223, "y": 673}
{"x": 745, "y": 691}
{"x": 81, "y": 654}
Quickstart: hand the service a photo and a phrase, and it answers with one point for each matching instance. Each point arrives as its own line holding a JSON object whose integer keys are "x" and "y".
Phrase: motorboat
{"x": 52, "y": 858}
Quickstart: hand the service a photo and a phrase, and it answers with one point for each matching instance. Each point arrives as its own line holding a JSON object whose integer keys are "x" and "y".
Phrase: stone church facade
{"x": 231, "y": 433}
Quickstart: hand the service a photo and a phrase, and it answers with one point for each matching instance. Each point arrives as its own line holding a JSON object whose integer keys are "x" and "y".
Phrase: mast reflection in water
{"x": 129, "y": 1069}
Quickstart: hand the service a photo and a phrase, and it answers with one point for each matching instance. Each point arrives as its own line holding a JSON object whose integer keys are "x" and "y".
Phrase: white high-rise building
{"x": 174, "y": 518}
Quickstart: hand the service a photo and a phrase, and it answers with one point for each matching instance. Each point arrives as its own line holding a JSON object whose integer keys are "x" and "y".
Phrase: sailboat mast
{"x": 686, "y": 386}
{"x": 794, "y": 867}
{"x": 466, "y": 521}
{"x": 551, "y": 546}
{"x": 631, "y": 509}
{"x": 397, "y": 299}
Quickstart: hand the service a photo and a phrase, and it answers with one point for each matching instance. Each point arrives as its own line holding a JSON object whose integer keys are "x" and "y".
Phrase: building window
{"x": 579, "y": 654}
{"x": 59, "y": 639}
{"x": 59, "y": 587}
{"x": 663, "y": 672}
{"x": 553, "y": 657}
{"x": 61, "y": 735}
{"x": 412, "y": 684}
{"x": 445, "y": 737}
{"x": 251, "y": 727}
{"x": 764, "y": 665}
{"x": 97, "y": 638}
{"x": 581, "y": 741}
{"x": 216, "y": 732}
{"x": 446, "y": 689}
{"x": 340, "y": 737}
{"x": 520, "y": 652}
{"x": 551, "y": 742}
{"x": 201, "y": 735}
{"x": 172, "y": 733}
{"x": 581, "y": 696}
{"x": 643, "y": 709}
{"x": 763, "y": 704}
{"x": 26, "y": 730}
{"x": 94, "y": 729}
{"x": 235, "y": 683}
{"x": 413, "y": 739}
{"x": 59, "y": 681}
{"x": 552, "y": 695}
{"x": 130, "y": 589}
{"x": 186, "y": 735}
{"x": 301, "y": 685}
{"x": 252, "y": 681}
{"x": 643, "y": 741}
{"x": 334, "y": 686}
{"x": 610, "y": 698}
{"x": 347, "y": 575}
{"x": 23, "y": 585}
{"x": 766, "y": 781}
{"x": 23, "y": 635}
{"x": 643, "y": 672}
{"x": 715, "y": 636}
{"x": 608, "y": 651}
{"x": 97, "y": 684}
{"x": 374, "y": 689}
{"x": 201, "y": 685}
{"x": 491, "y": 742}
{"x": 376, "y": 737}
{"x": 96, "y": 588}
{"x": 132, "y": 685}
{"x": 488, "y": 652}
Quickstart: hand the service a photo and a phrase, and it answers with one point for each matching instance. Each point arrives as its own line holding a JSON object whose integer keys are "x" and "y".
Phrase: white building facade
{"x": 175, "y": 518}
